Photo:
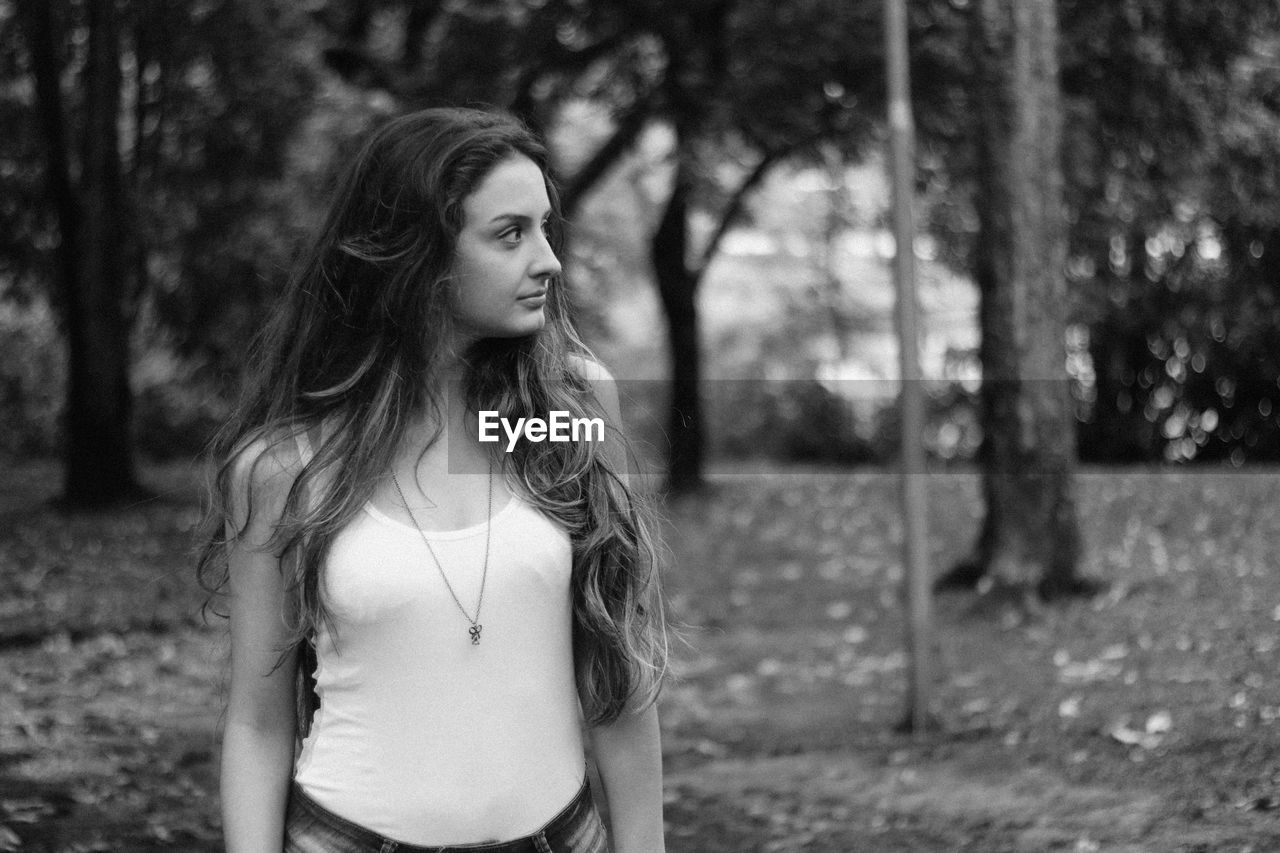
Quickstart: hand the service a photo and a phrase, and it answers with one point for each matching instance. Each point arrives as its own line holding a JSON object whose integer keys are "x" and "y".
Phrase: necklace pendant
{"x": 474, "y": 631}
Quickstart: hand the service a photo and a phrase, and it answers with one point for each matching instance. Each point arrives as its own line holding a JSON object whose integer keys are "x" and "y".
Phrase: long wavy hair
{"x": 345, "y": 359}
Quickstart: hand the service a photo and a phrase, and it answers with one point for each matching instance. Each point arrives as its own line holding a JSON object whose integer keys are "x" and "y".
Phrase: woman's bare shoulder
{"x": 589, "y": 368}
{"x": 269, "y": 457}
{"x": 263, "y": 469}
{"x": 603, "y": 385}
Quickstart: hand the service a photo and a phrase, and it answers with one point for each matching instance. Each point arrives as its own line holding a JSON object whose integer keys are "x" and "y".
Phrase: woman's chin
{"x": 529, "y": 325}
{"x": 524, "y": 329}
{"x": 521, "y": 327}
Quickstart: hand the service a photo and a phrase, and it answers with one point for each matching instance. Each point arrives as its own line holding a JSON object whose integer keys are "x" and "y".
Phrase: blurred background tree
{"x": 1171, "y": 202}
{"x": 1173, "y": 199}
{"x": 231, "y": 118}
{"x": 1030, "y": 534}
{"x": 143, "y": 142}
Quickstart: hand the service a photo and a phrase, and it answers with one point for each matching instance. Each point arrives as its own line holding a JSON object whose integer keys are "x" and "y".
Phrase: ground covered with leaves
{"x": 1145, "y": 719}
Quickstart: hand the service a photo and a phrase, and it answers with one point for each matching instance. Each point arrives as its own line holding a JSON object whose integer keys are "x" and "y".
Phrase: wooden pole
{"x": 917, "y": 583}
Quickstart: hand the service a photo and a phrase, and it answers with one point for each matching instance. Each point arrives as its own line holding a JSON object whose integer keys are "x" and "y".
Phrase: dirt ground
{"x": 1141, "y": 720}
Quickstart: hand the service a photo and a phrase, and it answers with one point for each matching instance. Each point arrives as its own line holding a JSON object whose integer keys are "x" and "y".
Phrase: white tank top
{"x": 422, "y": 736}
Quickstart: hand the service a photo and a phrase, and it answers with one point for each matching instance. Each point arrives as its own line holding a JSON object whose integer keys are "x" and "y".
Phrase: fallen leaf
{"x": 1122, "y": 732}
{"x": 1159, "y": 723}
{"x": 855, "y": 634}
{"x": 839, "y": 610}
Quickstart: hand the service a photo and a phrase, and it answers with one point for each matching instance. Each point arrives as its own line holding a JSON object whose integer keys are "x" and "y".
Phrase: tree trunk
{"x": 677, "y": 288}
{"x": 1030, "y": 535}
{"x": 99, "y": 463}
{"x": 47, "y": 70}
{"x": 420, "y": 17}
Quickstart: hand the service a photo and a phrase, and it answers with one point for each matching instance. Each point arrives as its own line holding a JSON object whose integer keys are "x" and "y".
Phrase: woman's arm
{"x": 628, "y": 751}
{"x": 628, "y": 754}
{"x": 258, "y": 740}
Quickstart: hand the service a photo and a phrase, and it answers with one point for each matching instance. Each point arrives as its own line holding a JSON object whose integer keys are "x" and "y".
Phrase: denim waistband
{"x": 559, "y": 828}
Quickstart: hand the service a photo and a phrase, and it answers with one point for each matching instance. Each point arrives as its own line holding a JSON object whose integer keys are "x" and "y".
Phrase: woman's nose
{"x": 546, "y": 265}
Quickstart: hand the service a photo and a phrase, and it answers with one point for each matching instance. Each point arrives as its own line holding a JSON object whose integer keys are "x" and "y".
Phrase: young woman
{"x": 433, "y": 616}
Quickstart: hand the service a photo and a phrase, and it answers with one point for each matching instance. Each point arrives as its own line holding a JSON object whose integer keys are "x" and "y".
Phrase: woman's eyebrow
{"x": 517, "y": 217}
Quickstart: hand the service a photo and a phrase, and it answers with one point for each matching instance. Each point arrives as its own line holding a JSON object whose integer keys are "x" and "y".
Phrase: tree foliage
{"x": 1171, "y": 159}
{"x": 1177, "y": 207}
{"x": 222, "y": 89}
{"x": 1171, "y": 146}
{"x": 152, "y": 132}
{"x": 211, "y": 94}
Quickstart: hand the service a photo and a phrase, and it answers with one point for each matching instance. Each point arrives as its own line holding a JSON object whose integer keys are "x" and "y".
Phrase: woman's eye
{"x": 511, "y": 235}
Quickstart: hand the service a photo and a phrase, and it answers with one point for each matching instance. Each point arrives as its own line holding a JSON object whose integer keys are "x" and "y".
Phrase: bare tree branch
{"x": 422, "y": 14}
{"x": 629, "y": 127}
{"x": 563, "y": 61}
{"x": 734, "y": 208}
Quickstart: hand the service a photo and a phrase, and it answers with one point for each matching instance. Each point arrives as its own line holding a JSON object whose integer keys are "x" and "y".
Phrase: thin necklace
{"x": 476, "y": 627}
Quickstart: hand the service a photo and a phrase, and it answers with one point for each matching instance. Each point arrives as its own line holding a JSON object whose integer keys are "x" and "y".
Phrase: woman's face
{"x": 503, "y": 262}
